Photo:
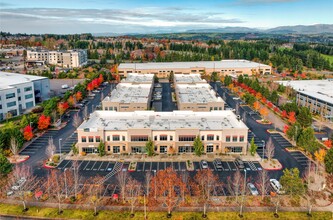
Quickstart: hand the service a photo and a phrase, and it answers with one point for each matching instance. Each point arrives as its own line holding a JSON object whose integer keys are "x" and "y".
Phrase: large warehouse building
{"x": 317, "y": 95}
{"x": 171, "y": 132}
{"x": 223, "y": 67}
{"x": 19, "y": 92}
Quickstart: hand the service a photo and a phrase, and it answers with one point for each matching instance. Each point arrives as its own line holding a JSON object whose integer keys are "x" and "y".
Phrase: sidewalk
{"x": 162, "y": 157}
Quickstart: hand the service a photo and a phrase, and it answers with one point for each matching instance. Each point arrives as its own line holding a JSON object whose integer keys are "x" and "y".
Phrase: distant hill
{"x": 226, "y": 30}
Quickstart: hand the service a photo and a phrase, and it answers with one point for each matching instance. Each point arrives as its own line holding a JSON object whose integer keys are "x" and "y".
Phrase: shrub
{"x": 56, "y": 158}
{"x": 83, "y": 153}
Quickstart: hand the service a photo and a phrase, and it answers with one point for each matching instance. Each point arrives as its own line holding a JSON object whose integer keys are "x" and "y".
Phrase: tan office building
{"x": 128, "y": 97}
{"x": 188, "y": 79}
{"x": 171, "y": 132}
{"x": 198, "y": 97}
{"x": 137, "y": 78}
{"x": 223, "y": 67}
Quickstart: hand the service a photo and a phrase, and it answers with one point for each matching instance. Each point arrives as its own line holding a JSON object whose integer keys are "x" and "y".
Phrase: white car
{"x": 276, "y": 186}
{"x": 252, "y": 189}
{"x": 204, "y": 164}
{"x": 15, "y": 187}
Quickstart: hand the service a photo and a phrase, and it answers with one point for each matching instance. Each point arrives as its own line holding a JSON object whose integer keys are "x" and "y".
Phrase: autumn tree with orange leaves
{"x": 328, "y": 143}
{"x": 264, "y": 112}
{"x": 71, "y": 101}
{"x": 292, "y": 117}
{"x": 44, "y": 122}
{"x": 256, "y": 105}
{"x": 167, "y": 182}
{"x": 27, "y": 133}
{"x": 62, "y": 107}
{"x": 78, "y": 96}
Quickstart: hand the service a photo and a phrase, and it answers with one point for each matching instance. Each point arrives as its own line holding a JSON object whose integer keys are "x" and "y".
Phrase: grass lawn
{"x": 329, "y": 57}
{"x": 88, "y": 214}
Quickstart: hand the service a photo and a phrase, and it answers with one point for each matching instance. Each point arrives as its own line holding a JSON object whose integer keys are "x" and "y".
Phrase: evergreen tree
{"x": 198, "y": 146}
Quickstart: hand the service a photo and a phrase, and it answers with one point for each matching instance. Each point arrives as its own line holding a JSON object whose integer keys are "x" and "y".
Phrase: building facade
{"x": 19, "y": 92}
{"x": 317, "y": 95}
{"x": 170, "y": 132}
{"x": 223, "y": 67}
{"x": 68, "y": 59}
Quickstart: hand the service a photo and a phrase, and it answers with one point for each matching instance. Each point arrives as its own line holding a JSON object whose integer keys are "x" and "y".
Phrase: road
{"x": 36, "y": 150}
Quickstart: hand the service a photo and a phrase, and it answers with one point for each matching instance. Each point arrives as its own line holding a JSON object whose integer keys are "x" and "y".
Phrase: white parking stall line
{"x": 92, "y": 165}
{"x": 158, "y": 166}
{"x": 228, "y": 165}
{"x": 93, "y": 168}
{"x": 106, "y": 189}
{"x": 66, "y": 164}
{"x": 235, "y": 166}
{"x": 151, "y": 164}
{"x": 86, "y": 165}
{"x": 143, "y": 167}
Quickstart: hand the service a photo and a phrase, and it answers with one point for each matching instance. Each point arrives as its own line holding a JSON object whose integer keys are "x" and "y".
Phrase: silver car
{"x": 204, "y": 164}
{"x": 252, "y": 189}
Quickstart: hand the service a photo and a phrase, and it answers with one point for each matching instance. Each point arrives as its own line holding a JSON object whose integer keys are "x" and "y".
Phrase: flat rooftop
{"x": 196, "y": 93}
{"x": 187, "y": 65}
{"x": 9, "y": 80}
{"x": 111, "y": 120}
{"x": 138, "y": 78}
{"x": 319, "y": 89}
{"x": 130, "y": 93}
{"x": 189, "y": 78}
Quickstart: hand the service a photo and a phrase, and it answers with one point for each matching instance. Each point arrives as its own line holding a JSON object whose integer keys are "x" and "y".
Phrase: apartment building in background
{"x": 67, "y": 59}
{"x": 317, "y": 95}
{"x": 19, "y": 92}
{"x": 171, "y": 132}
{"x": 223, "y": 67}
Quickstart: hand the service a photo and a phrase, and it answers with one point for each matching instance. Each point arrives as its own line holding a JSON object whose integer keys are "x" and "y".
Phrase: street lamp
{"x": 66, "y": 182}
{"x": 263, "y": 149}
{"x": 241, "y": 208}
{"x": 60, "y": 139}
{"x": 92, "y": 108}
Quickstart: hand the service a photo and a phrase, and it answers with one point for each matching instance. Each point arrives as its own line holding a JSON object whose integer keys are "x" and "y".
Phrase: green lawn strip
{"x": 113, "y": 215}
{"x": 329, "y": 57}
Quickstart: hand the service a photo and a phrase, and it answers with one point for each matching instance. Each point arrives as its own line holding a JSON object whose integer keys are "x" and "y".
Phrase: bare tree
{"x": 58, "y": 187}
{"x": 263, "y": 182}
{"x": 133, "y": 191}
{"x": 85, "y": 113}
{"x": 234, "y": 184}
{"x": 14, "y": 147}
{"x": 148, "y": 178}
{"x": 75, "y": 166}
{"x": 22, "y": 180}
{"x": 122, "y": 178}
{"x": 54, "y": 116}
{"x": 95, "y": 192}
{"x": 185, "y": 182}
{"x": 270, "y": 149}
{"x": 50, "y": 149}
{"x": 76, "y": 120}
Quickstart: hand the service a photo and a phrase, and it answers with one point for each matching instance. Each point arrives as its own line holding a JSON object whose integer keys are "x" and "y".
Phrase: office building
{"x": 19, "y": 92}
{"x": 171, "y": 132}
{"x": 188, "y": 79}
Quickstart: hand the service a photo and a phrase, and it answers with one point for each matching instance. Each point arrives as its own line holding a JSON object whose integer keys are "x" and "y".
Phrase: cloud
{"x": 258, "y": 2}
{"x": 149, "y": 17}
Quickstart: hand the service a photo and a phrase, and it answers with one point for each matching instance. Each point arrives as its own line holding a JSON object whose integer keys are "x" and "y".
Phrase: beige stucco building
{"x": 223, "y": 67}
{"x": 171, "y": 132}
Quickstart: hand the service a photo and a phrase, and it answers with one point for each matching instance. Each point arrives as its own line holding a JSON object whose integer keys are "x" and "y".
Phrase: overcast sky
{"x": 150, "y": 16}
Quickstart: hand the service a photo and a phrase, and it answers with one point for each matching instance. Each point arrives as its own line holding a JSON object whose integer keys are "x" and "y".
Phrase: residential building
{"x": 197, "y": 97}
{"x": 19, "y": 92}
{"x": 317, "y": 95}
{"x": 67, "y": 59}
{"x": 223, "y": 67}
{"x": 127, "y": 97}
{"x": 171, "y": 132}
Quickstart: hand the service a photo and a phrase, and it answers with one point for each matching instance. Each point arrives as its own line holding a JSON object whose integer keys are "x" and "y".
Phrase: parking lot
{"x": 257, "y": 141}
{"x": 67, "y": 144}
{"x": 281, "y": 140}
{"x": 300, "y": 158}
{"x": 39, "y": 144}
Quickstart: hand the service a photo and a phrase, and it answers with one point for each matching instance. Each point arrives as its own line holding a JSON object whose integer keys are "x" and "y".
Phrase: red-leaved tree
{"x": 27, "y": 133}
{"x": 284, "y": 114}
{"x": 292, "y": 117}
{"x": 62, "y": 107}
{"x": 78, "y": 96}
{"x": 44, "y": 122}
{"x": 328, "y": 143}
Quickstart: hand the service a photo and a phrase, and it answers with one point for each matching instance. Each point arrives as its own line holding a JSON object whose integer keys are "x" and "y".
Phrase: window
{"x": 116, "y": 149}
{"x": 138, "y": 149}
{"x": 98, "y": 138}
{"x": 18, "y": 90}
{"x": 10, "y": 95}
{"x": 11, "y": 104}
{"x": 106, "y": 108}
{"x": 185, "y": 149}
{"x": 123, "y": 138}
{"x": 91, "y": 139}
{"x": 27, "y": 89}
{"x": 29, "y": 96}
{"x": 241, "y": 138}
{"x": 115, "y": 108}
{"x": 234, "y": 138}
{"x": 234, "y": 149}
{"x": 217, "y": 147}
{"x": 109, "y": 148}
{"x": 115, "y": 137}
{"x": 108, "y": 138}
{"x": 227, "y": 138}
{"x": 139, "y": 138}
{"x": 90, "y": 150}
{"x": 210, "y": 137}
{"x": 210, "y": 148}
{"x": 203, "y": 137}
{"x": 0, "y": 106}
{"x": 163, "y": 149}
{"x": 110, "y": 108}
{"x": 217, "y": 137}
{"x": 29, "y": 104}
{"x": 124, "y": 148}
{"x": 155, "y": 138}
{"x": 211, "y": 108}
{"x": 163, "y": 137}
{"x": 171, "y": 138}
{"x": 83, "y": 139}
{"x": 186, "y": 137}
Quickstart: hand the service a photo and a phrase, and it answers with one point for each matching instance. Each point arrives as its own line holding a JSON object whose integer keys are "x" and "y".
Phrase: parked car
{"x": 239, "y": 163}
{"x": 9, "y": 193}
{"x": 218, "y": 163}
{"x": 204, "y": 164}
{"x": 15, "y": 187}
{"x": 276, "y": 186}
{"x": 252, "y": 189}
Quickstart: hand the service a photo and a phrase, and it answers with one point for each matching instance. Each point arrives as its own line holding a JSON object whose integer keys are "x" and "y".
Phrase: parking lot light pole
{"x": 92, "y": 108}
{"x": 60, "y": 139}
{"x": 66, "y": 182}
{"x": 263, "y": 149}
